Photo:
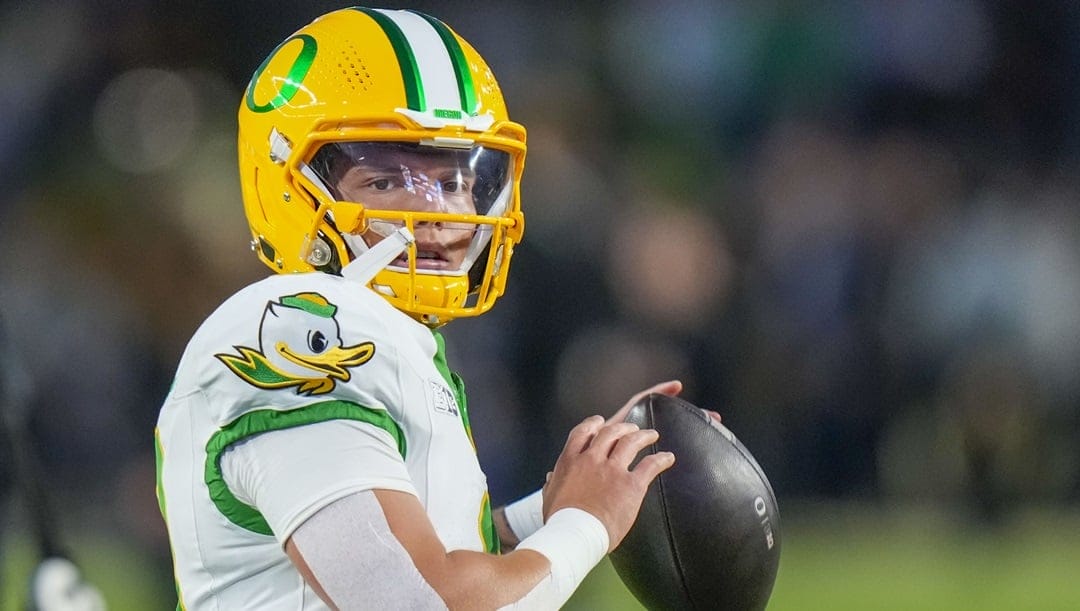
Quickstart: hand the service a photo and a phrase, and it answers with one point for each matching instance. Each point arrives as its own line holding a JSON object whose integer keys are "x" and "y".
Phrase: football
{"x": 708, "y": 534}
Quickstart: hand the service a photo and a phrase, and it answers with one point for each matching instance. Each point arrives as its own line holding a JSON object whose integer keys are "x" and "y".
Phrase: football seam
{"x": 668, "y": 532}
{"x": 742, "y": 452}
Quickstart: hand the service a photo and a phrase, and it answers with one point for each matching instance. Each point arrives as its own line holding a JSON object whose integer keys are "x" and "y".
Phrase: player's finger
{"x": 714, "y": 416}
{"x": 609, "y": 434}
{"x": 630, "y": 445}
{"x": 669, "y": 388}
{"x": 653, "y": 464}
{"x": 582, "y": 434}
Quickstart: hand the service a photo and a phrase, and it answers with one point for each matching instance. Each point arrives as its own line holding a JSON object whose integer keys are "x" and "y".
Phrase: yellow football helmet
{"x": 369, "y": 126}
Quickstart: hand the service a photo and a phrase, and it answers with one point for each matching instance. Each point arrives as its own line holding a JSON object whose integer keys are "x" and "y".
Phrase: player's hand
{"x": 593, "y": 473}
{"x": 670, "y": 388}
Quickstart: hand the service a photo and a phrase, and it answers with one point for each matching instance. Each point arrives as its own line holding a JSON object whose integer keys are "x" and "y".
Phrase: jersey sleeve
{"x": 288, "y": 475}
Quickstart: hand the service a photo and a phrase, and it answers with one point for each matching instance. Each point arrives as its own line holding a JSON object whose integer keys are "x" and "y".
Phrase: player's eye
{"x": 381, "y": 184}
{"x": 455, "y": 186}
{"x": 317, "y": 341}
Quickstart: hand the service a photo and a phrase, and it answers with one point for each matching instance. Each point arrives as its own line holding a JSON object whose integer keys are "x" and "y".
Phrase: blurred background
{"x": 849, "y": 227}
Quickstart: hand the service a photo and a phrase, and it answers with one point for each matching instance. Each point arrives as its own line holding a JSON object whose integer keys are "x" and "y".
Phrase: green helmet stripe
{"x": 410, "y": 71}
{"x": 457, "y": 57}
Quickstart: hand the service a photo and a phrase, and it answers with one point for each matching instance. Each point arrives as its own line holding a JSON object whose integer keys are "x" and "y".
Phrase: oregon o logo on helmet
{"x": 297, "y": 72}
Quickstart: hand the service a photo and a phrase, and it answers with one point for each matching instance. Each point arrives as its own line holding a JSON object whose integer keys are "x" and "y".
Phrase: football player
{"x": 314, "y": 450}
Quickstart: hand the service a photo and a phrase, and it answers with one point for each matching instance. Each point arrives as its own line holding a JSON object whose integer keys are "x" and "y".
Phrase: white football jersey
{"x": 284, "y": 352}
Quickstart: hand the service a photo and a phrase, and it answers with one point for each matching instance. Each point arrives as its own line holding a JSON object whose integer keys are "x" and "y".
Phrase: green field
{"x": 836, "y": 558}
{"x": 841, "y": 558}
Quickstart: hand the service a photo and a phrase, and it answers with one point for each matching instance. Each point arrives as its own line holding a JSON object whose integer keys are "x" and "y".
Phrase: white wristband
{"x": 526, "y": 515}
{"x": 574, "y": 541}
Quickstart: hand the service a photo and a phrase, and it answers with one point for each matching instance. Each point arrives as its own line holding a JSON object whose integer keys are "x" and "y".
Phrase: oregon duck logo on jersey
{"x": 299, "y": 345}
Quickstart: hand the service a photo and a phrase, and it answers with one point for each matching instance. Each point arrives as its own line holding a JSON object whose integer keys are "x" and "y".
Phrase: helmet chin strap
{"x": 364, "y": 267}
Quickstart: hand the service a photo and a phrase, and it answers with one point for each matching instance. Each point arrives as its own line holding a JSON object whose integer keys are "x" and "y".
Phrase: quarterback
{"x": 314, "y": 450}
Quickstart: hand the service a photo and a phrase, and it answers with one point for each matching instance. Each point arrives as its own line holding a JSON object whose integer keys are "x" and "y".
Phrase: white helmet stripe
{"x": 436, "y": 70}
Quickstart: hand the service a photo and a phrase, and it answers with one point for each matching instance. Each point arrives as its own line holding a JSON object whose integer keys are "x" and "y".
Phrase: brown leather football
{"x": 708, "y": 534}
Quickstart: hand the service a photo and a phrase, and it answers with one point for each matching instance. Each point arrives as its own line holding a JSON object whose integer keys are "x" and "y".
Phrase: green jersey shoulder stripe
{"x": 266, "y": 420}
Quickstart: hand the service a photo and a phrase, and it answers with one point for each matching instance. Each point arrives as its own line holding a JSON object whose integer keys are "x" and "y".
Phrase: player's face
{"x": 417, "y": 182}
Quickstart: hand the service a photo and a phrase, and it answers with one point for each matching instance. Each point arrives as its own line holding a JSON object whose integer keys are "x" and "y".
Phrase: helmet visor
{"x": 443, "y": 189}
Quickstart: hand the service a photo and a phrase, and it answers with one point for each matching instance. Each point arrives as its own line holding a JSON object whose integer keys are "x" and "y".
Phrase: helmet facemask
{"x": 453, "y": 200}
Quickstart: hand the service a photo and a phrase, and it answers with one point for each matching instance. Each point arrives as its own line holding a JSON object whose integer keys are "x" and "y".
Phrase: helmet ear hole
{"x": 267, "y": 249}
{"x": 268, "y": 252}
